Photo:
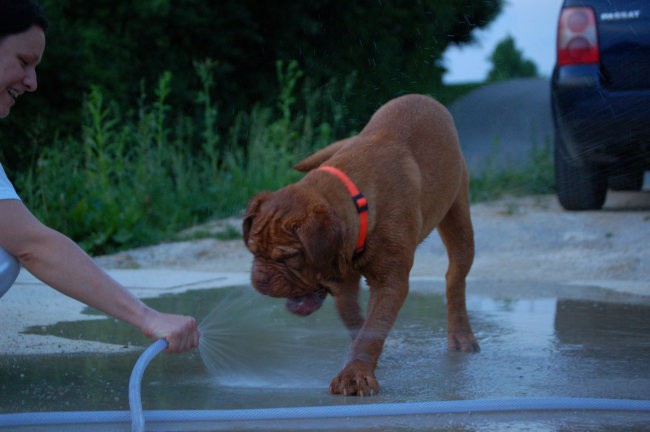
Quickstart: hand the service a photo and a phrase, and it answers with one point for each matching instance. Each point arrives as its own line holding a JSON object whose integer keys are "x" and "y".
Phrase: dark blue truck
{"x": 600, "y": 93}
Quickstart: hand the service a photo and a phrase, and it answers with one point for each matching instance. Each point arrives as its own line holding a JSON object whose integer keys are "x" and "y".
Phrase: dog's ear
{"x": 317, "y": 159}
{"x": 322, "y": 235}
{"x": 251, "y": 211}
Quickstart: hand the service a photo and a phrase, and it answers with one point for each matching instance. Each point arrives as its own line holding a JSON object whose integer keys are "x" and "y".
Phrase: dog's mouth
{"x": 306, "y": 304}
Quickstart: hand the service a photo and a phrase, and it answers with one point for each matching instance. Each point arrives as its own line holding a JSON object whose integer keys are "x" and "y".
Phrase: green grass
{"x": 132, "y": 178}
{"x": 535, "y": 176}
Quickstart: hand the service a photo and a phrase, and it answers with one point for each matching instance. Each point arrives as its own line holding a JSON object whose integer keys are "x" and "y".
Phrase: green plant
{"x": 131, "y": 179}
{"x": 508, "y": 62}
{"x": 534, "y": 176}
{"x": 274, "y": 144}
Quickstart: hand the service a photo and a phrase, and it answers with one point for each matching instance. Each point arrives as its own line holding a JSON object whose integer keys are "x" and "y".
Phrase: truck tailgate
{"x": 624, "y": 37}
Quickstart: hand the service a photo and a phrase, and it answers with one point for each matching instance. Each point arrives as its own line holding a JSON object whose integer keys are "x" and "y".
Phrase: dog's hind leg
{"x": 458, "y": 236}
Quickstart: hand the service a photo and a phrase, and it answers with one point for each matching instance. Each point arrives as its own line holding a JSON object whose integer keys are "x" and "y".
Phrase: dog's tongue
{"x": 307, "y": 304}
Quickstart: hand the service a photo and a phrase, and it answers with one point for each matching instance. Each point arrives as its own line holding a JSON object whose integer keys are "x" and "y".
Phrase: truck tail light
{"x": 577, "y": 37}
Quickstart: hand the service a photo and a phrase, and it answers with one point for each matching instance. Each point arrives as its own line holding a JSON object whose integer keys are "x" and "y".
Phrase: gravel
{"x": 525, "y": 238}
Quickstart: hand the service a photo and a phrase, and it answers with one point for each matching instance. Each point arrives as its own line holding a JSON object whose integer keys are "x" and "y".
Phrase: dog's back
{"x": 427, "y": 129}
{"x": 409, "y": 144}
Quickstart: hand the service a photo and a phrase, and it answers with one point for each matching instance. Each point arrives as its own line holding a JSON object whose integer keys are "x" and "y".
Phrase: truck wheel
{"x": 578, "y": 187}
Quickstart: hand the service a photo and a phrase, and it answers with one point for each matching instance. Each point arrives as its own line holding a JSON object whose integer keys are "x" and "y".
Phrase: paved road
{"x": 501, "y": 122}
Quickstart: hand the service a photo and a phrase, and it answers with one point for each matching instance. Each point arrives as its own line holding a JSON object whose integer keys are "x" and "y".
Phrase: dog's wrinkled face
{"x": 296, "y": 243}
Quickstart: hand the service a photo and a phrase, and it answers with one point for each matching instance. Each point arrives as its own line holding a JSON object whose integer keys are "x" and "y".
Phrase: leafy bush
{"x": 394, "y": 48}
{"x": 131, "y": 179}
{"x": 508, "y": 62}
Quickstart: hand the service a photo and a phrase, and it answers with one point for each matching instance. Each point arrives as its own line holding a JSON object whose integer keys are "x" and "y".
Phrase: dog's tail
{"x": 318, "y": 158}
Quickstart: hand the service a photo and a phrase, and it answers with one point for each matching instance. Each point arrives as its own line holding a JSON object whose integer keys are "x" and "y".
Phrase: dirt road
{"x": 528, "y": 238}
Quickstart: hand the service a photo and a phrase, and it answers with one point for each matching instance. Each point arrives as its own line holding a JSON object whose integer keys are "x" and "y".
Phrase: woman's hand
{"x": 181, "y": 332}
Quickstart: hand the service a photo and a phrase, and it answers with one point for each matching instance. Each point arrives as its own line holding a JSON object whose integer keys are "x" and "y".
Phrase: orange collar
{"x": 360, "y": 202}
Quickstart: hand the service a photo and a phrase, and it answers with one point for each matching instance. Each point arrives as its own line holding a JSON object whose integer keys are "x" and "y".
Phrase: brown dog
{"x": 311, "y": 238}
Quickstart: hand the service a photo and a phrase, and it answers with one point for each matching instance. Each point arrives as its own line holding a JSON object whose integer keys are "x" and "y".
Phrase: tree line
{"x": 124, "y": 46}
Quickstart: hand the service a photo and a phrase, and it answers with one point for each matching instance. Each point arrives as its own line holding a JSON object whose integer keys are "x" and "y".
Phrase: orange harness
{"x": 360, "y": 202}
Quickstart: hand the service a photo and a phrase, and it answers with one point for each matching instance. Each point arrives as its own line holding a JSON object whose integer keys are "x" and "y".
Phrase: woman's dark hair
{"x": 17, "y": 16}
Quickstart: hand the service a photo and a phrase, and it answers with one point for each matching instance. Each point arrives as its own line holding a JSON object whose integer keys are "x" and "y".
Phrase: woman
{"x": 47, "y": 254}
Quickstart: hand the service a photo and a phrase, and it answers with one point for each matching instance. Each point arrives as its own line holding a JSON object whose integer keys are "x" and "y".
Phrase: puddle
{"x": 538, "y": 344}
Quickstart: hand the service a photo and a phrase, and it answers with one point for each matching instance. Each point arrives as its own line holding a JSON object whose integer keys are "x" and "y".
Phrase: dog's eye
{"x": 294, "y": 261}
{"x": 281, "y": 253}
{"x": 288, "y": 256}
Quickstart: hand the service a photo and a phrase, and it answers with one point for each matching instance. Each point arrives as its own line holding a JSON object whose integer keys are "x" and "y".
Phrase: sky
{"x": 532, "y": 24}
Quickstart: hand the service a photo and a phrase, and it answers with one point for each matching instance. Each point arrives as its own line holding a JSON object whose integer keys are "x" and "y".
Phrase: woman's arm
{"x": 59, "y": 262}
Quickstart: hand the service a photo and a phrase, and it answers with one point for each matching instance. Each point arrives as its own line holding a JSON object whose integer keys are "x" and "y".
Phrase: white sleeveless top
{"x": 9, "y": 266}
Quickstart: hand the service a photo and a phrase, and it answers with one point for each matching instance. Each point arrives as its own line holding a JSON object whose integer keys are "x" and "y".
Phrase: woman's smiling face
{"x": 19, "y": 55}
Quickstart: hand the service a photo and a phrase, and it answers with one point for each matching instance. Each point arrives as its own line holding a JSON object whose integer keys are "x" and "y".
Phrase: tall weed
{"x": 131, "y": 178}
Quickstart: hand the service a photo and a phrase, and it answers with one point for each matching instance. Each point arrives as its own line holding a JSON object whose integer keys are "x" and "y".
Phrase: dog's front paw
{"x": 462, "y": 341}
{"x": 356, "y": 379}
